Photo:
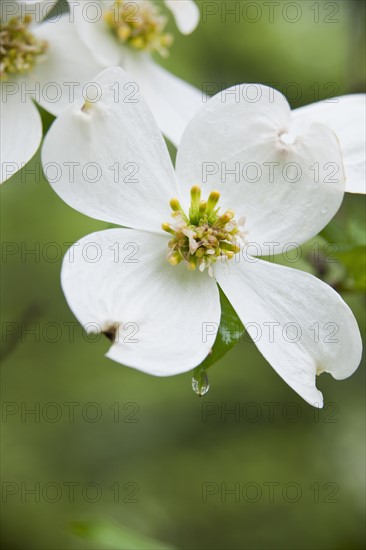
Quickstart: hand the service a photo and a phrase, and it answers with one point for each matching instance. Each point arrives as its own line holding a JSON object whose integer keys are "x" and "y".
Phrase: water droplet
{"x": 324, "y": 211}
{"x": 200, "y": 383}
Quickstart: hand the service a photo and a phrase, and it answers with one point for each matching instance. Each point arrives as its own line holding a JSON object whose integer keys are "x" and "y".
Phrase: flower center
{"x": 204, "y": 236}
{"x": 20, "y": 50}
{"x": 139, "y": 25}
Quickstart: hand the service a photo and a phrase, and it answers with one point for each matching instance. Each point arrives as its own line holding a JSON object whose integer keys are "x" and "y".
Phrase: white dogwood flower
{"x": 36, "y": 59}
{"x": 126, "y": 33}
{"x": 147, "y": 286}
{"x": 346, "y": 116}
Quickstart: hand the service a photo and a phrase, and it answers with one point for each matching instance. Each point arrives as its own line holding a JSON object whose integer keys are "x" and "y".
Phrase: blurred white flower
{"x": 36, "y": 60}
{"x": 156, "y": 312}
{"x": 126, "y": 33}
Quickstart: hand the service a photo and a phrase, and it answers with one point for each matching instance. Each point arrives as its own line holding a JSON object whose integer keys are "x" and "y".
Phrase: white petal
{"x": 172, "y": 101}
{"x": 346, "y": 116}
{"x": 94, "y": 31}
{"x": 160, "y": 309}
{"x": 313, "y": 331}
{"x": 120, "y": 168}
{"x": 186, "y": 14}
{"x": 20, "y": 129}
{"x": 60, "y": 79}
{"x": 234, "y": 145}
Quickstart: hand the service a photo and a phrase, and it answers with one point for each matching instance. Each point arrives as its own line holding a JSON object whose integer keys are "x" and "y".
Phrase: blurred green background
{"x": 141, "y": 451}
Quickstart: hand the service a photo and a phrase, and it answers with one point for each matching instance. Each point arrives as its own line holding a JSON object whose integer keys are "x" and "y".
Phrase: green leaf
{"x": 113, "y": 535}
{"x": 356, "y": 231}
{"x": 230, "y": 331}
{"x": 47, "y": 119}
{"x": 347, "y": 229}
{"x": 354, "y": 262}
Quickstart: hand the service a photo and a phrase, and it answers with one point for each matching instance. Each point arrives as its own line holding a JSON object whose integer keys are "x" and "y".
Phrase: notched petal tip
{"x": 87, "y": 107}
{"x": 287, "y": 138}
{"x": 111, "y": 332}
{"x": 318, "y": 404}
{"x": 319, "y": 370}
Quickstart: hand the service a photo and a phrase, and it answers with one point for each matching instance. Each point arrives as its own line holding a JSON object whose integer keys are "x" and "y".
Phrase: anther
{"x": 166, "y": 227}
{"x": 213, "y": 199}
{"x": 175, "y": 205}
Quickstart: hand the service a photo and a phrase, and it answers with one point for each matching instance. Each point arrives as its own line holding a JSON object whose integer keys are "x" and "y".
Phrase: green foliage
{"x": 354, "y": 261}
{"x": 230, "y": 331}
{"x": 347, "y": 232}
{"x": 112, "y": 535}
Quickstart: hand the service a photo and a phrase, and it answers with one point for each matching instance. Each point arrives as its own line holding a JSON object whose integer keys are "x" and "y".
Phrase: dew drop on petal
{"x": 200, "y": 383}
{"x": 324, "y": 211}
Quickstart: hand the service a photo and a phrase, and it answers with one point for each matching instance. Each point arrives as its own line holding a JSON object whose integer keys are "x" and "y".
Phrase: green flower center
{"x": 139, "y": 25}
{"x": 204, "y": 236}
{"x": 20, "y": 50}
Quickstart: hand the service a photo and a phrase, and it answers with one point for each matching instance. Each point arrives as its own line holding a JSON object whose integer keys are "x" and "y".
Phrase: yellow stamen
{"x": 202, "y": 237}
{"x": 213, "y": 199}
{"x": 139, "y": 25}
{"x": 20, "y": 50}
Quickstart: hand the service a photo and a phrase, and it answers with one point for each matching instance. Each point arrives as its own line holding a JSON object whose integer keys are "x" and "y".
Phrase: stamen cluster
{"x": 139, "y": 25}
{"x": 204, "y": 236}
{"x": 20, "y": 50}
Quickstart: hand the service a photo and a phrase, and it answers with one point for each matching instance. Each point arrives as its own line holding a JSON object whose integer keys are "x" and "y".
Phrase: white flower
{"x": 159, "y": 314}
{"x": 346, "y": 116}
{"x": 125, "y": 33}
{"x": 45, "y": 59}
